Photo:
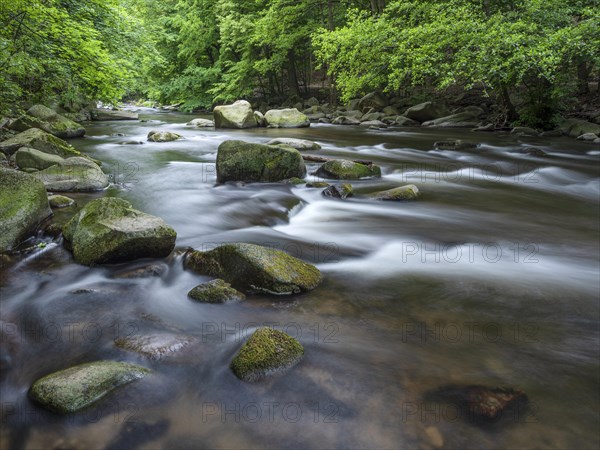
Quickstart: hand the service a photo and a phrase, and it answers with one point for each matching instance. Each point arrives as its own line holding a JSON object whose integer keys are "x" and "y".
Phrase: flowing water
{"x": 491, "y": 277}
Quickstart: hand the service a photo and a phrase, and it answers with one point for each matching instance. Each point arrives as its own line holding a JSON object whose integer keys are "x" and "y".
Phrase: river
{"x": 492, "y": 277}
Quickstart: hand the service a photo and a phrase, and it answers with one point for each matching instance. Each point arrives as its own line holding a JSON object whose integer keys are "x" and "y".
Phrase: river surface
{"x": 492, "y": 277}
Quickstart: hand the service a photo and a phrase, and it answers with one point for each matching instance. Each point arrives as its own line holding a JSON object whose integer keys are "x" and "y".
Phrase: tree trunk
{"x": 512, "y": 112}
{"x": 583, "y": 76}
{"x": 292, "y": 75}
{"x": 330, "y": 23}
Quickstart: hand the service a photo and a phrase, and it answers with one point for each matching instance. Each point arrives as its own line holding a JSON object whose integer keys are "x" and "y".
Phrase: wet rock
{"x": 265, "y": 353}
{"x": 215, "y": 291}
{"x": 78, "y": 387}
{"x": 60, "y": 201}
{"x": 296, "y": 181}
{"x": 109, "y": 230}
{"x": 30, "y": 158}
{"x": 156, "y": 346}
{"x": 426, "y": 111}
{"x": 163, "y": 136}
{"x": 150, "y": 271}
{"x": 23, "y": 206}
{"x": 298, "y": 144}
{"x": 53, "y": 230}
{"x": 409, "y": 192}
{"x": 39, "y": 116}
{"x": 132, "y": 143}
{"x": 238, "y": 115}
{"x": 589, "y": 137}
{"x": 102, "y": 114}
{"x": 286, "y": 118}
{"x": 253, "y": 268}
{"x": 73, "y": 175}
{"x": 524, "y": 131}
{"x": 340, "y": 191}
{"x": 318, "y": 184}
{"x": 532, "y": 151}
{"x": 242, "y": 161}
{"x": 343, "y": 169}
{"x": 39, "y": 140}
{"x": 455, "y": 144}
{"x": 201, "y": 123}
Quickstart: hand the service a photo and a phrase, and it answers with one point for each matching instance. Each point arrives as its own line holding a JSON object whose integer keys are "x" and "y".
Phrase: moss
{"x": 78, "y": 387}
{"x": 215, "y": 291}
{"x": 39, "y": 140}
{"x": 74, "y": 175}
{"x": 266, "y": 352}
{"x": 342, "y": 169}
{"x": 296, "y": 181}
{"x": 286, "y": 118}
{"x": 253, "y": 268}
{"x": 409, "y": 192}
{"x": 60, "y": 201}
{"x": 317, "y": 184}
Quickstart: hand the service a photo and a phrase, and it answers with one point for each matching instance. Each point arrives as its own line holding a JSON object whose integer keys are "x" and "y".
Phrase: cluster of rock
{"x": 241, "y": 115}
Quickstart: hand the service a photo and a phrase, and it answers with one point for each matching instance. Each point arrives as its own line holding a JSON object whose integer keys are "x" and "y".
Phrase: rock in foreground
{"x": 109, "y": 230}
{"x": 238, "y": 115}
{"x": 266, "y": 352}
{"x": 23, "y": 205}
{"x": 73, "y": 389}
{"x": 242, "y": 161}
{"x": 343, "y": 169}
{"x": 30, "y": 158}
{"x": 286, "y": 118}
{"x": 73, "y": 175}
{"x": 215, "y": 291}
{"x": 253, "y": 268}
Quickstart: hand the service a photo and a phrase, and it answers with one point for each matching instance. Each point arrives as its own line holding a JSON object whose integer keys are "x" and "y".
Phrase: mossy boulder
{"x": 163, "y": 136}
{"x": 424, "y": 112}
{"x": 39, "y": 116}
{"x": 73, "y": 175}
{"x": 409, "y": 192}
{"x": 343, "y": 169}
{"x": 30, "y": 158}
{"x": 238, "y": 115}
{"x": 23, "y": 206}
{"x": 298, "y": 144}
{"x": 78, "y": 387}
{"x": 39, "y": 140}
{"x": 286, "y": 118}
{"x": 341, "y": 191}
{"x": 215, "y": 291}
{"x": 266, "y": 352}
{"x": 109, "y": 230}
{"x": 253, "y": 268}
{"x": 102, "y": 114}
{"x": 60, "y": 201}
{"x": 243, "y": 161}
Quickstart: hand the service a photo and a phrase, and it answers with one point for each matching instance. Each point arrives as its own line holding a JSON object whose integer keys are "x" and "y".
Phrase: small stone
{"x": 318, "y": 184}
{"x": 163, "y": 136}
{"x": 215, "y": 291}
{"x": 155, "y": 347}
{"x": 60, "y": 201}
{"x": 153, "y": 270}
{"x": 201, "y": 123}
{"x": 409, "y": 192}
{"x": 341, "y": 191}
{"x": 298, "y": 144}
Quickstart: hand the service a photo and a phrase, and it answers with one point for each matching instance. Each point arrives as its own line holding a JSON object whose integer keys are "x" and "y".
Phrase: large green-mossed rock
{"x": 254, "y": 268}
{"x": 39, "y": 116}
{"x": 109, "y": 230}
{"x": 343, "y": 169}
{"x": 266, "y": 352}
{"x": 243, "y": 161}
{"x": 78, "y": 387}
{"x": 73, "y": 175}
{"x": 215, "y": 291}
{"x": 39, "y": 140}
{"x": 286, "y": 118}
{"x": 23, "y": 205}
{"x": 30, "y": 158}
{"x": 238, "y": 115}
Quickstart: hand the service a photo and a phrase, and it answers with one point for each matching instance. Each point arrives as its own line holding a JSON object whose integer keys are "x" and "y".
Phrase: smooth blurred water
{"x": 492, "y": 277}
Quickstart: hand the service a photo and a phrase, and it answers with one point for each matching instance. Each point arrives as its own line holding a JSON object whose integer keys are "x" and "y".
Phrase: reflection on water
{"x": 492, "y": 278}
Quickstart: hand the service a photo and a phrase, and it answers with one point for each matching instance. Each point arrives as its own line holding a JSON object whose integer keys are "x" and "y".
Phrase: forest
{"x": 534, "y": 59}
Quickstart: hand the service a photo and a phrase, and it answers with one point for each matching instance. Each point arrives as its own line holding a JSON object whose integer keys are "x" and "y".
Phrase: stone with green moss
{"x": 343, "y": 169}
{"x": 39, "y": 140}
{"x": 23, "y": 206}
{"x": 109, "y": 230}
{"x": 318, "y": 184}
{"x": 286, "y": 118}
{"x": 266, "y": 352}
{"x": 409, "y": 192}
{"x": 296, "y": 181}
{"x": 78, "y": 387}
{"x": 243, "y": 161}
{"x": 60, "y": 201}
{"x": 298, "y": 144}
{"x": 254, "y": 268}
{"x": 215, "y": 291}
{"x": 237, "y": 115}
{"x": 39, "y": 116}
{"x": 341, "y": 191}
{"x": 73, "y": 175}
{"x": 30, "y": 158}
{"x": 163, "y": 136}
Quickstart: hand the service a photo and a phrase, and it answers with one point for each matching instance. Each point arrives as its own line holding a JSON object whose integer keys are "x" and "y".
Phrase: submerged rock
{"x": 150, "y": 271}
{"x": 298, "y": 144}
{"x": 73, "y": 175}
{"x": 163, "y": 136}
{"x": 532, "y": 151}
{"x": 409, "y": 192}
{"x": 156, "y": 346}
{"x": 265, "y": 353}
{"x": 30, "y": 158}
{"x": 238, "y": 115}
{"x": 215, "y": 291}
{"x": 109, "y": 230}
{"x": 253, "y": 268}
{"x": 201, "y": 123}
{"x": 39, "y": 140}
{"x": 23, "y": 206}
{"x": 60, "y": 201}
{"x": 78, "y": 387}
{"x": 455, "y": 144}
{"x": 341, "y": 191}
{"x": 286, "y": 118}
{"x": 39, "y": 116}
{"x": 343, "y": 169}
{"x": 243, "y": 161}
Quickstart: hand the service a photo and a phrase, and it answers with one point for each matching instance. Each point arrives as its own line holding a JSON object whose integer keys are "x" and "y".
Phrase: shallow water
{"x": 492, "y": 278}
